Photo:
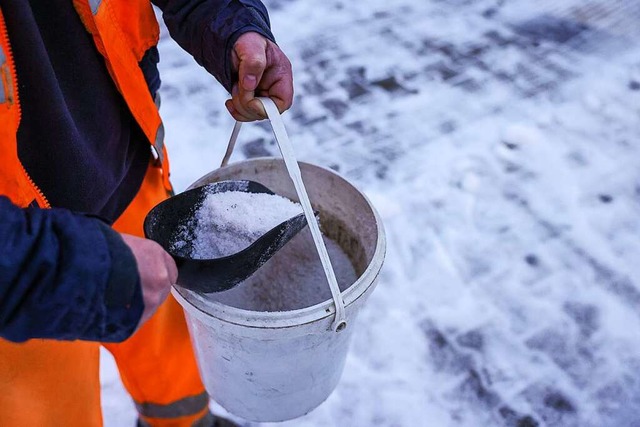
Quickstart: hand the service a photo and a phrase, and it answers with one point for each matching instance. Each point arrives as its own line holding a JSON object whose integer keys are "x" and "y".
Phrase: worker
{"x": 82, "y": 161}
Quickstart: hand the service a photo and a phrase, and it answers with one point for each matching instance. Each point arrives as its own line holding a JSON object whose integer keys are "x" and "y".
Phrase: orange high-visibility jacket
{"x": 123, "y": 31}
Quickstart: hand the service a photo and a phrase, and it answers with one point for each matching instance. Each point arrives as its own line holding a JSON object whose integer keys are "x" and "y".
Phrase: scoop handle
{"x": 286, "y": 149}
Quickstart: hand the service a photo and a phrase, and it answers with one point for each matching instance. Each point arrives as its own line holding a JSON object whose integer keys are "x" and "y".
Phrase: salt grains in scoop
{"x": 231, "y": 221}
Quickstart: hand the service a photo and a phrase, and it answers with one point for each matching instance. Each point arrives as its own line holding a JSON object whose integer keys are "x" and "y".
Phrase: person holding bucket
{"x": 78, "y": 116}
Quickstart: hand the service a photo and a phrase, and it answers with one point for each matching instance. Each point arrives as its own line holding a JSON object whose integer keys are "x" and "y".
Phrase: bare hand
{"x": 157, "y": 272}
{"x": 263, "y": 70}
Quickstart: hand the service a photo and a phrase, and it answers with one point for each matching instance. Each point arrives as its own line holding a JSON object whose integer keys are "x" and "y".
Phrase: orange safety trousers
{"x": 57, "y": 383}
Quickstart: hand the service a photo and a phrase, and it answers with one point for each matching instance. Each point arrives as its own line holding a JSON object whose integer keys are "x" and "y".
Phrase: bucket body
{"x": 279, "y": 365}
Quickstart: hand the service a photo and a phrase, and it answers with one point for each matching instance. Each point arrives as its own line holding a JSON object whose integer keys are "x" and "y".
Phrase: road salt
{"x": 293, "y": 278}
{"x": 229, "y": 222}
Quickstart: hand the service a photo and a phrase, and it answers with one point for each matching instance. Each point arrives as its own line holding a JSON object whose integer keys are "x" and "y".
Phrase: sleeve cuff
{"x": 239, "y": 17}
{"x": 123, "y": 294}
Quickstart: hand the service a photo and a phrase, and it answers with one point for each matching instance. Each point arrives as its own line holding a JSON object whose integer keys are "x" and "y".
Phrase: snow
{"x": 500, "y": 143}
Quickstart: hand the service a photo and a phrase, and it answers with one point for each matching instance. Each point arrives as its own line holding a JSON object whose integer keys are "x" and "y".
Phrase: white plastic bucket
{"x": 276, "y": 366}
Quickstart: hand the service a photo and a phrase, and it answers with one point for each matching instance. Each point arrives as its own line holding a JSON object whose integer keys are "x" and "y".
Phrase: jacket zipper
{"x": 4, "y": 33}
{"x": 43, "y": 199}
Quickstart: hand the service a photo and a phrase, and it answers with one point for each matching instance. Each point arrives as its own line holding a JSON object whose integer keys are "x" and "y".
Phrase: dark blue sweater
{"x": 63, "y": 274}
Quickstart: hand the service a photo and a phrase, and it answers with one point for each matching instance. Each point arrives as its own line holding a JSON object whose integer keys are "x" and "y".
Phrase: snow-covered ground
{"x": 500, "y": 141}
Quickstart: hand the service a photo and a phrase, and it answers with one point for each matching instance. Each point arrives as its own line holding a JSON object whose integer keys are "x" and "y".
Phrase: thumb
{"x": 251, "y": 51}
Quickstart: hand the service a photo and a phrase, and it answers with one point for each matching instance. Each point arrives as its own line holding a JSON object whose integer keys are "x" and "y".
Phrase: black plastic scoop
{"x": 173, "y": 215}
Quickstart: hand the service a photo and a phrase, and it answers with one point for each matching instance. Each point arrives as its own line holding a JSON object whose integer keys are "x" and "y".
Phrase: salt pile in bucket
{"x": 292, "y": 279}
{"x": 229, "y": 222}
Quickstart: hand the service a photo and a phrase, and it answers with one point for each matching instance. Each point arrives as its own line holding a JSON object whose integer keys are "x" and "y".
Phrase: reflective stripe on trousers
{"x": 203, "y": 418}
{"x": 187, "y": 406}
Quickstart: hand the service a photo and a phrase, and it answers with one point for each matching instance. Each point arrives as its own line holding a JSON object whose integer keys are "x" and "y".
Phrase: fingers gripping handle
{"x": 286, "y": 149}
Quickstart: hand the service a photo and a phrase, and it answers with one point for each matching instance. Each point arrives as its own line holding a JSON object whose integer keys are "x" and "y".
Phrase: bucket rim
{"x": 193, "y": 303}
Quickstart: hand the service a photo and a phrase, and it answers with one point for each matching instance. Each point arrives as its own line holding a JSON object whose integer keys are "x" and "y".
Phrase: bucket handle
{"x": 286, "y": 149}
